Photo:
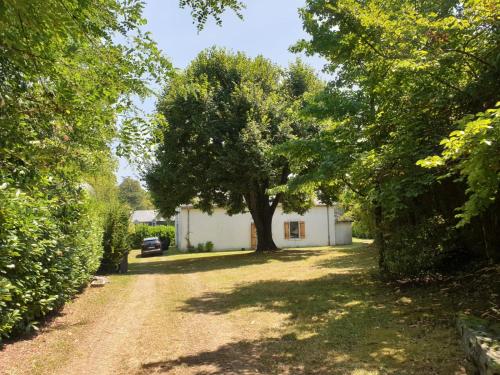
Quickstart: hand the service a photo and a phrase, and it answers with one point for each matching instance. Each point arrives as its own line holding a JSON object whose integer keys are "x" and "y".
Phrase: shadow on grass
{"x": 212, "y": 262}
{"x": 289, "y": 354}
{"x": 345, "y": 321}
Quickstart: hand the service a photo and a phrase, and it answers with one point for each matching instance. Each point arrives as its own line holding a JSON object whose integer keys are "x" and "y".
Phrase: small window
{"x": 294, "y": 230}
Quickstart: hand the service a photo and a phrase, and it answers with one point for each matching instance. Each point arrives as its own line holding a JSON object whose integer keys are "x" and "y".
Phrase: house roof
{"x": 316, "y": 203}
{"x": 146, "y": 216}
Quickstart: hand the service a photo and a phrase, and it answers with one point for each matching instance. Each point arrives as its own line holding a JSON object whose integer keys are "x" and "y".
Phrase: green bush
{"x": 200, "y": 248}
{"x": 115, "y": 240}
{"x": 141, "y": 231}
{"x": 50, "y": 246}
{"x": 416, "y": 250}
{"x": 209, "y": 246}
{"x": 360, "y": 230}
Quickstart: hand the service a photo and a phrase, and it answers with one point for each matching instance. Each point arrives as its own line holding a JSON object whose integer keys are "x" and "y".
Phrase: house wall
{"x": 233, "y": 232}
{"x": 226, "y": 232}
{"x": 343, "y": 232}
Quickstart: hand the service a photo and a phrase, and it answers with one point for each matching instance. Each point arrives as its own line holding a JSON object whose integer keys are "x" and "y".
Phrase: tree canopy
{"x": 409, "y": 74}
{"x": 224, "y": 115}
{"x": 132, "y": 193}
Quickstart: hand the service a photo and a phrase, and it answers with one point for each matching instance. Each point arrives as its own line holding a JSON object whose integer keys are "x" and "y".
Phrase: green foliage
{"x": 115, "y": 240}
{"x": 201, "y": 10}
{"x": 473, "y": 153}
{"x": 405, "y": 73}
{"x": 68, "y": 73}
{"x": 203, "y": 247}
{"x": 209, "y": 246}
{"x": 414, "y": 251}
{"x": 58, "y": 79}
{"x": 361, "y": 230}
{"x": 224, "y": 115}
{"x": 132, "y": 193}
{"x": 141, "y": 231}
{"x": 50, "y": 245}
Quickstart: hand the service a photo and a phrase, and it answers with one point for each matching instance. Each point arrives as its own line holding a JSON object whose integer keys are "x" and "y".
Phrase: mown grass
{"x": 296, "y": 311}
{"x": 339, "y": 317}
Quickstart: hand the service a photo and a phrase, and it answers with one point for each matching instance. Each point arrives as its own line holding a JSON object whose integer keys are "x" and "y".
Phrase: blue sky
{"x": 269, "y": 28}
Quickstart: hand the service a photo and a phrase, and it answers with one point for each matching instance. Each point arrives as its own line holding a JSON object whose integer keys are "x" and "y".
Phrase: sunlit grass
{"x": 299, "y": 311}
{"x": 326, "y": 309}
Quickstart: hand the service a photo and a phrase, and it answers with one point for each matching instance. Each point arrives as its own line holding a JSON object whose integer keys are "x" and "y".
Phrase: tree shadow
{"x": 204, "y": 263}
{"x": 335, "y": 324}
{"x": 291, "y": 354}
{"x": 296, "y": 298}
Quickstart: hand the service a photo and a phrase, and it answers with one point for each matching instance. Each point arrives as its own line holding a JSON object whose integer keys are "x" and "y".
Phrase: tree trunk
{"x": 263, "y": 225}
{"x": 262, "y": 213}
{"x": 379, "y": 238}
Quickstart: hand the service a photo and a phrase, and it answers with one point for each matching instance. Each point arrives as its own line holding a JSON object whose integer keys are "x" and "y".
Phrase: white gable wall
{"x": 226, "y": 232}
{"x": 233, "y": 232}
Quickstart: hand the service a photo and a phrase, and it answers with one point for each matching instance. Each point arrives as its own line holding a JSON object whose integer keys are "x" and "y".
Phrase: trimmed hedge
{"x": 50, "y": 246}
{"x": 141, "y": 231}
{"x": 115, "y": 241}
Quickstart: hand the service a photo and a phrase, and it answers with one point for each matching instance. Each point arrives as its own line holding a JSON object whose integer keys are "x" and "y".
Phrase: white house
{"x": 148, "y": 217}
{"x": 320, "y": 226}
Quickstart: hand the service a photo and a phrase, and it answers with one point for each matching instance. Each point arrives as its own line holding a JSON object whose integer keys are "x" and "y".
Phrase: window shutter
{"x": 253, "y": 236}
{"x": 302, "y": 229}
{"x": 287, "y": 230}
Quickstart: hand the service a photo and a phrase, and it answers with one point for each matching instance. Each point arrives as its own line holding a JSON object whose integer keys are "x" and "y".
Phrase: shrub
{"x": 115, "y": 240}
{"x": 141, "y": 231}
{"x": 200, "y": 248}
{"x": 360, "y": 230}
{"x": 50, "y": 245}
{"x": 209, "y": 246}
{"x": 416, "y": 250}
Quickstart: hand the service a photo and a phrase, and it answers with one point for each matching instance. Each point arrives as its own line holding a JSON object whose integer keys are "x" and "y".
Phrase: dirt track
{"x": 136, "y": 324}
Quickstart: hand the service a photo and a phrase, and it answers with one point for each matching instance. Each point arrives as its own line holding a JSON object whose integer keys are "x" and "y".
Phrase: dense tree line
{"x": 69, "y": 71}
{"x": 414, "y": 134}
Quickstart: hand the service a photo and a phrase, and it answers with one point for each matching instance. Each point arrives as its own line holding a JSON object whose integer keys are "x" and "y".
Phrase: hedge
{"x": 141, "y": 231}
{"x": 115, "y": 241}
{"x": 50, "y": 245}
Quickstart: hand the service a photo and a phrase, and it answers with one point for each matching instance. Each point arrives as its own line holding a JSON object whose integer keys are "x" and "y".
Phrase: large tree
{"x": 224, "y": 115}
{"x": 407, "y": 75}
{"x": 131, "y": 192}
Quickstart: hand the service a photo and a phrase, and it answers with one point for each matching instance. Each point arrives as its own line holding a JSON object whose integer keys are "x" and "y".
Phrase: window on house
{"x": 295, "y": 230}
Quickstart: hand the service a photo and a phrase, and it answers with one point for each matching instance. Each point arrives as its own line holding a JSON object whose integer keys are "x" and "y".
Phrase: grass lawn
{"x": 297, "y": 311}
{"x": 336, "y": 316}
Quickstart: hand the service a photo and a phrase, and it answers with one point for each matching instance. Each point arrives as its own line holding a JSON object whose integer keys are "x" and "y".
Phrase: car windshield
{"x": 150, "y": 242}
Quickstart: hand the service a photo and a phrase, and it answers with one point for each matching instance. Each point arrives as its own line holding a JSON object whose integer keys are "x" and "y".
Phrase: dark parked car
{"x": 151, "y": 245}
{"x": 165, "y": 243}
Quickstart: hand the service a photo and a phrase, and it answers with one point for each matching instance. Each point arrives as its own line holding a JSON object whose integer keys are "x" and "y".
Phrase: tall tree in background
{"x": 224, "y": 115}
{"x": 132, "y": 193}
